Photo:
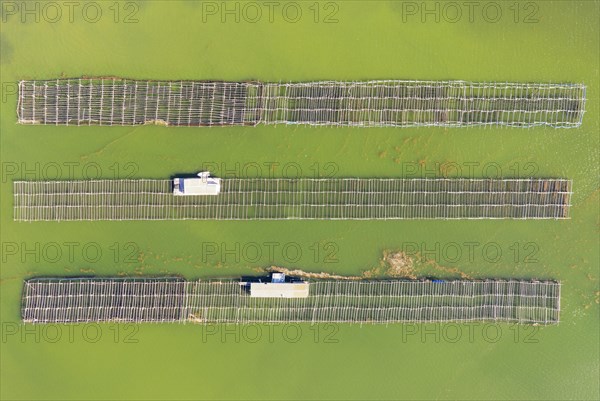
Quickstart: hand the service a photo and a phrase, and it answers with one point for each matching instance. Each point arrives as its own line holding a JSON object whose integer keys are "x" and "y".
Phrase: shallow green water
{"x": 370, "y": 40}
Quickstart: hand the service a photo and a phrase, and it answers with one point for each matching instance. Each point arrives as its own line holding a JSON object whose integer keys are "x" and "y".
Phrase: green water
{"x": 370, "y": 40}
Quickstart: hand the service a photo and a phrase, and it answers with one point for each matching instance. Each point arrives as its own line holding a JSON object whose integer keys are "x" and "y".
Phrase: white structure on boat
{"x": 277, "y": 287}
{"x": 204, "y": 185}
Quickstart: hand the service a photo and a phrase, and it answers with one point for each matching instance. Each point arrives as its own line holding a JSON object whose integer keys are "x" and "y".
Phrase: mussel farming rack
{"x": 385, "y": 103}
{"x": 55, "y": 300}
{"x": 301, "y": 198}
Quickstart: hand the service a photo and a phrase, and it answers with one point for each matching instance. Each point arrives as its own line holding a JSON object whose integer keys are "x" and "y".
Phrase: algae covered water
{"x": 303, "y": 41}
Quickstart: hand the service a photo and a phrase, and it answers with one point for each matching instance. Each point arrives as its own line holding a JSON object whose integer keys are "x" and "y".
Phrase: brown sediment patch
{"x": 302, "y": 273}
{"x": 392, "y": 264}
{"x": 157, "y": 121}
{"x": 139, "y": 270}
{"x": 443, "y": 269}
{"x": 396, "y": 264}
{"x": 372, "y": 273}
{"x": 400, "y": 264}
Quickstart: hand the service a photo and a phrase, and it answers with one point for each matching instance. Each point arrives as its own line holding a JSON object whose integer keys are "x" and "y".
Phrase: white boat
{"x": 204, "y": 185}
{"x": 277, "y": 287}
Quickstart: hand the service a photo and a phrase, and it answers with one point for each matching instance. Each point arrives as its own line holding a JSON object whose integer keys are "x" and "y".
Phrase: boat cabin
{"x": 277, "y": 286}
{"x": 203, "y": 185}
